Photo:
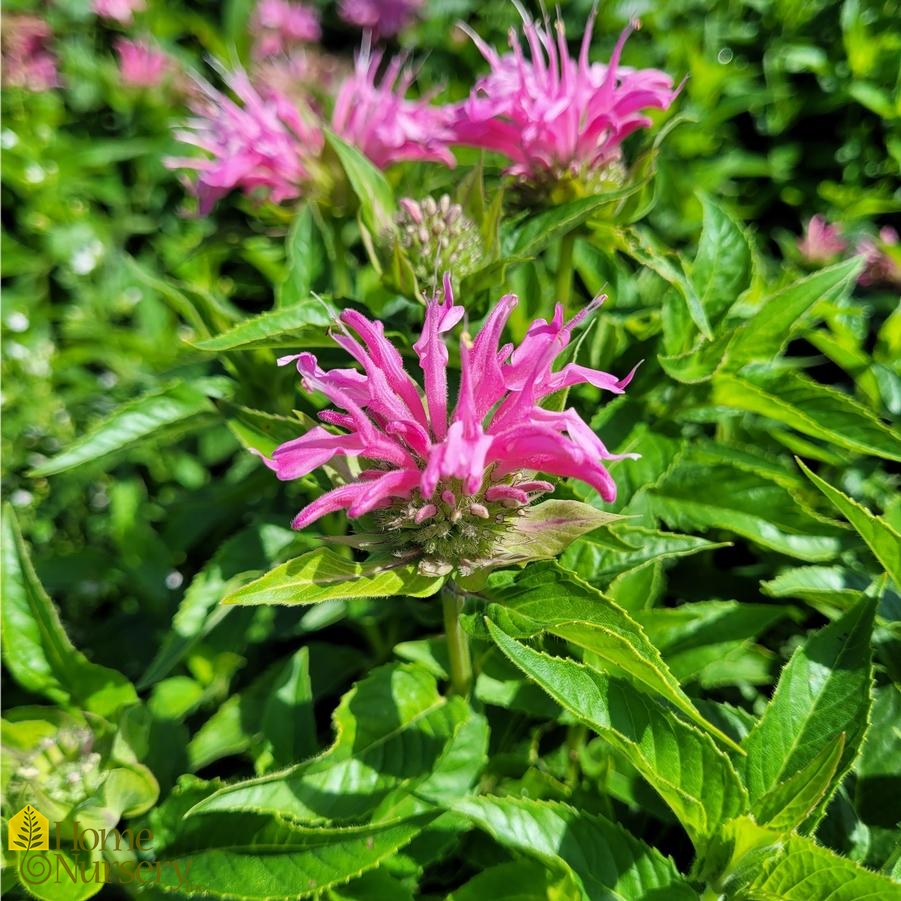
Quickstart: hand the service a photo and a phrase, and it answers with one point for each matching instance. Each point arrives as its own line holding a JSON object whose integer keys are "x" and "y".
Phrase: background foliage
{"x": 700, "y": 700}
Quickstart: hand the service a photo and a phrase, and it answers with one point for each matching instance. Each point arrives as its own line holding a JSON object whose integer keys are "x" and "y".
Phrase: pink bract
{"x": 552, "y": 114}
{"x": 28, "y": 61}
{"x": 140, "y": 64}
{"x": 279, "y": 27}
{"x": 490, "y": 447}
{"x": 382, "y": 17}
{"x": 374, "y": 115}
{"x": 821, "y": 242}
{"x": 263, "y": 146}
{"x": 121, "y": 11}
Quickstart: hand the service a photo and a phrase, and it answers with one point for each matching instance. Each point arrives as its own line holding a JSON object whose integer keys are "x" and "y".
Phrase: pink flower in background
{"x": 879, "y": 267}
{"x": 140, "y": 64}
{"x": 279, "y": 26}
{"x": 374, "y": 115}
{"x": 551, "y": 114}
{"x": 121, "y": 11}
{"x": 28, "y": 61}
{"x": 425, "y": 468}
{"x": 821, "y": 242}
{"x": 263, "y": 146}
{"x": 382, "y": 17}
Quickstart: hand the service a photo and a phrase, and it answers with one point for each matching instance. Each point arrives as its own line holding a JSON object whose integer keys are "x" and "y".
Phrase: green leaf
{"x": 645, "y": 249}
{"x": 809, "y": 408}
{"x": 323, "y": 575}
{"x": 822, "y": 694}
{"x": 36, "y": 650}
{"x": 722, "y": 266}
{"x": 878, "y": 784}
{"x": 787, "y": 804}
{"x": 683, "y": 765}
{"x": 303, "y": 260}
{"x": 300, "y": 325}
{"x": 377, "y": 204}
{"x": 802, "y": 870}
{"x": 261, "y": 431}
{"x": 520, "y": 880}
{"x": 833, "y": 586}
{"x": 765, "y": 335}
{"x": 392, "y": 730}
{"x": 605, "y": 861}
{"x": 642, "y": 545}
{"x": 557, "y": 601}
{"x": 247, "y": 856}
{"x": 288, "y": 724}
{"x": 880, "y": 537}
{"x": 544, "y": 228}
{"x": 174, "y": 409}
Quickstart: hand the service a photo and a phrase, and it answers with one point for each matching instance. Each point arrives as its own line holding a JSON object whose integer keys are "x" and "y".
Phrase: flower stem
{"x": 457, "y": 642}
{"x": 564, "y": 284}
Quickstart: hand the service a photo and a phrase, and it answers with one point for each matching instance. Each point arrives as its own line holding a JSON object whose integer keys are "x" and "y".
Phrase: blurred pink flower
{"x": 279, "y": 26}
{"x": 821, "y": 242}
{"x": 121, "y": 11}
{"x": 140, "y": 64}
{"x": 382, "y": 17}
{"x": 28, "y": 61}
{"x": 879, "y": 267}
{"x": 425, "y": 467}
{"x": 263, "y": 146}
{"x": 374, "y": 115}
{"x": 551, "y": 114}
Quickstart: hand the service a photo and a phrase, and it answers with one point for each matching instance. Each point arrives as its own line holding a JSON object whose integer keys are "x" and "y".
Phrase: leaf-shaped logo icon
{"x": 28, "y": 830}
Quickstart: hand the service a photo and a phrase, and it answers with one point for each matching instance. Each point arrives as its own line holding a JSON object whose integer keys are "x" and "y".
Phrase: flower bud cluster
{"x": 438, "y": 237}
{"x": 453, "y": 529}
{"x": 62, "y": 769}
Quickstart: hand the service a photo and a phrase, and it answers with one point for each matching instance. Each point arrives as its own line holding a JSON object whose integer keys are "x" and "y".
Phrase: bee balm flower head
{"x": 556, "y": 117}
{"x": 444, "y": 484}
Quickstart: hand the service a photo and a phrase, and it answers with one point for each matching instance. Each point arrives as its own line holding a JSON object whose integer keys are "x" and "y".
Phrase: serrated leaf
{"x": 392, "y": 729}
{"x": 823, "y": 693}
{"x": 606, "y": 862}
{"x": 693, "y": 496}
{"x": 639, "y": 545}
{"x": 802, "y": 870}
{"x": 323, "y": 575}
{"x": 542, "y": 229}
{"x": 782, "y": 315}
{"x": 302, "y": 260}
{"x": 36, "y": 649}
{"x": 809, "y": 408}
{"x": 788, "y": 803}
{"x": 557, "y": 601}
{"x": 880, "y": 537}
{"x": 520, "y": 880}
{"x": 261, "y": 431}
{"x": 830, "y": 585}
{"x": 260, "y": 858}
{"x": 878, "y": 780}
{"x": 721, "y": 268}
{"x": 303, "y": 324}
{"x": 288, "y": 724}
{"x": 683, "y": 765}
{"x": 173, "y": 409}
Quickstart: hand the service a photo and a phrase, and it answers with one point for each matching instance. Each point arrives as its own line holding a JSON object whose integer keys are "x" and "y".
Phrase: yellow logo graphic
{"x": 29, "y": 831}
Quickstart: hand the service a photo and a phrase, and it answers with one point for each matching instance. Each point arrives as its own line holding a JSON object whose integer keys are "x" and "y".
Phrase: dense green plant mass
{"x": 690, "y": 691}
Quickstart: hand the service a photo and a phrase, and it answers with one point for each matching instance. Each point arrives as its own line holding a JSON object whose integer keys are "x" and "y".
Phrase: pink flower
{"x": 375, "y": 116}
{"x": 140, "y": 65}
{"x": 28, "y": 61}
{"x": 459, "y": 473}
{"x": 279, "y": 26}
{"x": 264, "y": 146}
{"x": 553, "y": 115}
{"x": 821, "y": 242}
{"x": 382, "y": 17}
{"x": 879, "y": 267}
{"x": 121, "y": 11}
